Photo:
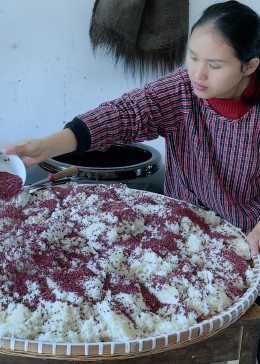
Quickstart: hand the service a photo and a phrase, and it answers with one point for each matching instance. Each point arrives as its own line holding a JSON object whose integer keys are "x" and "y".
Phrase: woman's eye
{"x": 214, "y": 67}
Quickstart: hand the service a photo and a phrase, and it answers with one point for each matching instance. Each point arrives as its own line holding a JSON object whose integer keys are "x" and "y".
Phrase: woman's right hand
{"x": 35, "y": 151}
{"x": 31, "y": 152}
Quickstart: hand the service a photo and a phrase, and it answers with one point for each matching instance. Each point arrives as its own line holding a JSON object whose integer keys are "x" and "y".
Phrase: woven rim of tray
{"x": 137, "y": 347}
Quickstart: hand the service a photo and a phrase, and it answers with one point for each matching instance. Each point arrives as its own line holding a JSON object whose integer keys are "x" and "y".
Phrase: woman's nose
{"x": 201, "y": 72}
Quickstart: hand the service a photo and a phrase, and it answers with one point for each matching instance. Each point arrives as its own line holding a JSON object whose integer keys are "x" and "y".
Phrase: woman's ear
{"x": 251, "y": 66}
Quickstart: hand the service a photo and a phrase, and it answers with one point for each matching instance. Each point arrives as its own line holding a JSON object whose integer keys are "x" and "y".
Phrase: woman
{"x": 208, "y": 114}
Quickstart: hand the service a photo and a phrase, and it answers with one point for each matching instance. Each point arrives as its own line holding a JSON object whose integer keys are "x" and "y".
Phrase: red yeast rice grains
{"x": 10, "y": 186}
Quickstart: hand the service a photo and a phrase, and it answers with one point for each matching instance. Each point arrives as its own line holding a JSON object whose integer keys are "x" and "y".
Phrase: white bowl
{"x": 12, "y": 164}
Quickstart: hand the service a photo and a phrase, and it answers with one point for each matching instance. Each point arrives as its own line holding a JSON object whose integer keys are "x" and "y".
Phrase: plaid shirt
{"x": 211, "y": 161}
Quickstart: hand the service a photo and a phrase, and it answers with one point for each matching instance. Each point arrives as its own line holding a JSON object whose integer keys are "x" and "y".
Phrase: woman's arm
{"x": 253, "y": 239}
{"x": 34, "y": 151}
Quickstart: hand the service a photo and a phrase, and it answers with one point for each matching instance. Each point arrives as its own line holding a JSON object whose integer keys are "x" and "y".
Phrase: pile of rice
{"x": 88, "y": 263}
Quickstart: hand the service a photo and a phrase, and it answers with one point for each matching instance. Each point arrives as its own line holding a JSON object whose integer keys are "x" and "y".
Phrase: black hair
{"x": 239, "y": 26}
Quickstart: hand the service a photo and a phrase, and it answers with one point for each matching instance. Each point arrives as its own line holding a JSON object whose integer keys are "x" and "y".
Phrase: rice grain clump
{"x": 88, "y": 263}
{"x": 10, "y": 186}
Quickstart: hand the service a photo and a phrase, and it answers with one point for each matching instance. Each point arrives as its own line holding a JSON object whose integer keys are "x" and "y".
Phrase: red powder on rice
{"x": 10, "y": 186}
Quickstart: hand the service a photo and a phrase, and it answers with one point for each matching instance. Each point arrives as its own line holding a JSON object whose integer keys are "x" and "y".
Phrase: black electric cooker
{"x": 139, "y": 166}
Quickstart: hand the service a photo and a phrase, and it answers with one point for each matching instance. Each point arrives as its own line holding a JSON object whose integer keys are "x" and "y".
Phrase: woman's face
{"x": 213, "y": 68}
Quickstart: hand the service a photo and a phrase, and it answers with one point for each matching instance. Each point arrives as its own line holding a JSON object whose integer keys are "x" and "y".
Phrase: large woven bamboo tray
{"x": 138, "y": 347}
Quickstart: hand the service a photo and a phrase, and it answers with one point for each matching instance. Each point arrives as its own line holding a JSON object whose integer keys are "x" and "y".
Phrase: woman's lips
{"x": 199, "y": 87}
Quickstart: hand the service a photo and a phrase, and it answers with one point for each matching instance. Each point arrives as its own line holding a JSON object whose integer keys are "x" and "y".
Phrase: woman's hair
{"x": 239, "y": 26}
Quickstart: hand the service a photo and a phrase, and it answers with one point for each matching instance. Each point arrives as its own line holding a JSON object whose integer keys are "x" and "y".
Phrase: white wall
{"x": 48, "y": 73}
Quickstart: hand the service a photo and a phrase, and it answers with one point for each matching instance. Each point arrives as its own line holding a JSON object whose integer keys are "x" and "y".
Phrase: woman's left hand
{"x": 253, "y": 239}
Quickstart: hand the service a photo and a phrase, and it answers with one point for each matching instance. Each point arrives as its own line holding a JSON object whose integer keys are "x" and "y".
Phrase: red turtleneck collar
{"x": 233, "y": 109}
